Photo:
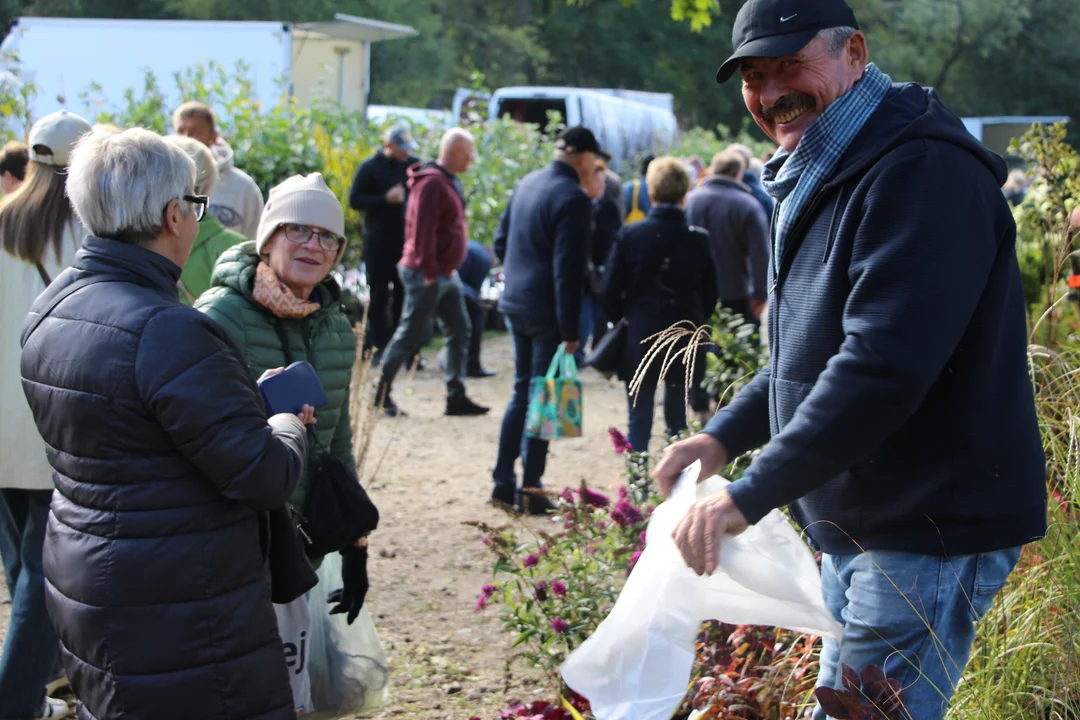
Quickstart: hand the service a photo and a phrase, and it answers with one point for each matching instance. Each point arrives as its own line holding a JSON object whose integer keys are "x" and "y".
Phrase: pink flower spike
{"x": 594, "y": 498}
{"x": 558, "y": 588}
{"x": 559, "y": 625}
{"x": 530, "y": 560}
{"x": 618, "y": 440}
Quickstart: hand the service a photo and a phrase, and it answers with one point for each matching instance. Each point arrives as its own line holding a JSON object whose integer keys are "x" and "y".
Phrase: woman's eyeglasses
{"x": 200, "y": 202}
{"x": 301, "y": 234}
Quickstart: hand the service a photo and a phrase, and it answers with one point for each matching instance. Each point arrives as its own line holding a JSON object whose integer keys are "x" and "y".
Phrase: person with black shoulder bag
{"x": 659, "y": 274}
{"x": 277, "y": 300}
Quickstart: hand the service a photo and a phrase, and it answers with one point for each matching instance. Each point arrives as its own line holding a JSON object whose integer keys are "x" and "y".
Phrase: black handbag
{"x": 607, "y": 354}
{"x": 291, "y": 574}
{"x": 339, "y": 511}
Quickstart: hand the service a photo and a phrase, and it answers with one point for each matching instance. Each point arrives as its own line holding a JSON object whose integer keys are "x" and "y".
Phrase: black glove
{"x": 354, "y": 578}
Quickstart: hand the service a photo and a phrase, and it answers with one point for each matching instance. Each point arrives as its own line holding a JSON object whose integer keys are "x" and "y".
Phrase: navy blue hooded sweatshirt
{"x": 897, "y": 395}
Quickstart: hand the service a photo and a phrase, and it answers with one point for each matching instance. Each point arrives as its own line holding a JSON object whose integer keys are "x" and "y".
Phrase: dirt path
{"x": 446, "y": 660}
{"x": 427, "y": 568}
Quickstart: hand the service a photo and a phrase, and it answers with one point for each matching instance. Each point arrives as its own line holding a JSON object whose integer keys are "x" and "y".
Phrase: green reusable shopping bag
{"x": 555, "y": 400}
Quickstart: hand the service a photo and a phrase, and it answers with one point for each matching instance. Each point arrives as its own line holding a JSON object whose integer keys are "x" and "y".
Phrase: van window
{"x": 531, "y": 110}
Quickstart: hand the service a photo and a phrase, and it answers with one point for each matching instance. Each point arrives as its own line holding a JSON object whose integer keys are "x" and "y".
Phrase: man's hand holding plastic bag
{"x": 637, "y": 664}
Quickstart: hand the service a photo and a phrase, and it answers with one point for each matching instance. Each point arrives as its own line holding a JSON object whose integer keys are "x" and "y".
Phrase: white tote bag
{"x": 637, "y": 664}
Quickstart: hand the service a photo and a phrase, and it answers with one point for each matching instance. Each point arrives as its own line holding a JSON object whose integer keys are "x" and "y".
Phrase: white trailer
{"x": 624, "y": 125}
{"x": 64, "y": 57}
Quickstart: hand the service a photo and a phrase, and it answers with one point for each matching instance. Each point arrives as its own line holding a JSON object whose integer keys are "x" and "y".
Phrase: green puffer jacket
{"x": 213, "y": 240}
{"x": 325, "y": 339}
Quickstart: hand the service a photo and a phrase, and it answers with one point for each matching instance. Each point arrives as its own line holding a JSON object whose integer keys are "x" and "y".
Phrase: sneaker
{"x": 461, "y": 405}
{"x": 504, "y": 498}
{"x": 54, "y": 709}
{"x": 481, "y": 373}
{"x": 534, "y": 503}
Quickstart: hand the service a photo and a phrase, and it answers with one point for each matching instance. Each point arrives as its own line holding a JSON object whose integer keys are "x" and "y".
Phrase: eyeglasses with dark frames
{"x": 301, "y": 234}
{"x": 200, "y": 202}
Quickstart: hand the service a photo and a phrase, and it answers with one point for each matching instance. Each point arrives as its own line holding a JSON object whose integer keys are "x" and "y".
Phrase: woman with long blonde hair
{"x": 39, "y": 235}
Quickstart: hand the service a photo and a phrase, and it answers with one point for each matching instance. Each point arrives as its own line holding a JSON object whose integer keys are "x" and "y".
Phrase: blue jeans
{"x": 641, "y": 413}
{"x": 535, "y": 343}
{"x": 31, "y": 649}
{"x": 911, "y": 615}
{"x": 444, "y": 299}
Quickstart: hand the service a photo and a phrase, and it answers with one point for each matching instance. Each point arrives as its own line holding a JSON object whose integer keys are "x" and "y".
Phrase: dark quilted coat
{"x": 157, "y": 582}
{"x": 325, "y": 339}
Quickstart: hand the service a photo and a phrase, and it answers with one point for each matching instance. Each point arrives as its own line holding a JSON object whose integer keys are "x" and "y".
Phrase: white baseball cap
{"x": 58, "y": 131}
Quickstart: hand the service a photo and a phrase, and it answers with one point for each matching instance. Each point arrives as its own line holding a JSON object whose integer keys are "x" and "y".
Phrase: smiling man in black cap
{"x": 896, "y": 412}
{"x": 542, "y": 242}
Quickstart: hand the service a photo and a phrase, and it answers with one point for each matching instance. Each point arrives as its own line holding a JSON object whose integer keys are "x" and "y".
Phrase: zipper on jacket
{"x": 830, "y": 239}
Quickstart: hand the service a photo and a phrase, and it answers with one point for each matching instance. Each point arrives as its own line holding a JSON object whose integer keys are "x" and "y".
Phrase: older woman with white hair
{"x": 213, "y": 238}
{"x": 163, "y": 459}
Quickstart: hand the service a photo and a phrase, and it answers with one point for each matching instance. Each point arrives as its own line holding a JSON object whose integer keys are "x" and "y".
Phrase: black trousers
{"x": 387, "y": 295}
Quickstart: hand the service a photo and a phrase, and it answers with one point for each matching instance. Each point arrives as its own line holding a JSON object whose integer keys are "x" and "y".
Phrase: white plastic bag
{"x": 637, "y": 664}
{"x": 347, "y": 664}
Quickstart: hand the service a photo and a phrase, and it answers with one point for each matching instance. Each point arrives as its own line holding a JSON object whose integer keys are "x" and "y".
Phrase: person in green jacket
{"x": 214, "y": 238}
{"x": 275, "y": 298}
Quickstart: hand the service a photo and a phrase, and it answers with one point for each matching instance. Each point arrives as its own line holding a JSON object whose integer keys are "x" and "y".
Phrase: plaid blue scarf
{"x": 794, "y": 178}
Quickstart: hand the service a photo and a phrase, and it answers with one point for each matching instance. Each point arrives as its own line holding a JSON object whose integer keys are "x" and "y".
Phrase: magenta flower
{"x": 626, "y": 514}
{"x": 567, "y": 495}
{"x": 486, "y": 540}
{"x": 541, "y": 591}
{"x": 597, "y": 500}
{"x": 558, "y": 588}
{"x": 530, "y": 560}
{"x": 624, "y": 492}
{"x": 485, "y": 594}
{"x": 559, "y": 625}
{"x": 642, "y": 537}
{"x": 634, "y": 560}
{"x": 619, "y": 441}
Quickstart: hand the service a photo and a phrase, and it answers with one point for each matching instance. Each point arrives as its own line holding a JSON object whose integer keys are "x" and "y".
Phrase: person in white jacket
{"x": 237, "y": 201}
{"x": 39, "y": 235}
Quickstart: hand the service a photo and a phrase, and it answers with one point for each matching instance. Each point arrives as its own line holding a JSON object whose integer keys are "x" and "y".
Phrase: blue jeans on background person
{"x": 888, "y": 603}
{"x": 31, "y": 649}
{"x": 641, "y": 412}
{"x": 588, "y": 308}
{"x": 535, "y": 343}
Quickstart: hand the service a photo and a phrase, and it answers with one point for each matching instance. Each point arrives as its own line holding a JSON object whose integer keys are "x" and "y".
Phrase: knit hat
{"x": 58, "y": 131}
{"x": 303, "y": 200}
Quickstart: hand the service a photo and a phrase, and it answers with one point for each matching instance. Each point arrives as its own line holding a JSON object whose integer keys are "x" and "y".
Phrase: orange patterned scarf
{"x": 276, "y": 297}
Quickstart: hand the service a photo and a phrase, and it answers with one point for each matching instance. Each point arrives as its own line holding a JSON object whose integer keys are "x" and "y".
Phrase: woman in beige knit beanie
{"x": 277, "y": 300}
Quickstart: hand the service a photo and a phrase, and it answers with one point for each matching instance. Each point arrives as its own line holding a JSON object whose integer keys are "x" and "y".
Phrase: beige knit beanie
{"x": 303, "y": 200}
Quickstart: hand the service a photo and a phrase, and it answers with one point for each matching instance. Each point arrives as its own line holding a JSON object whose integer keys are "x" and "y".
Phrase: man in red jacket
{"x": 436, "y": 239}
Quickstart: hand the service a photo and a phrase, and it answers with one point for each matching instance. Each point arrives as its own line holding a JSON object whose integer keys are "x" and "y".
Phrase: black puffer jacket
{"x": 164, "y": 459}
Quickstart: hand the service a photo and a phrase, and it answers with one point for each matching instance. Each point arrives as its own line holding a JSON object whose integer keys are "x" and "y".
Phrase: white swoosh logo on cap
{"x": 785, "y": 19}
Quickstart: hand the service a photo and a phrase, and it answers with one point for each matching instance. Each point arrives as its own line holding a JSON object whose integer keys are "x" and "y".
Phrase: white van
{"x": 625, "y": 125}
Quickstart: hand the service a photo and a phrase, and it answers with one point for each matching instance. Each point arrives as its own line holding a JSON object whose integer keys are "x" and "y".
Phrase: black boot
{"x": 534, "y": 503}
{"x": 385, "y": 402}
{"x": 458, "y": 403}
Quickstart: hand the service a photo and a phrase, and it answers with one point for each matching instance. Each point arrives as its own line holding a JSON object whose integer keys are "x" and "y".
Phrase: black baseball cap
{"x": 775, "y": 28}
{"x": 579, "y": 139}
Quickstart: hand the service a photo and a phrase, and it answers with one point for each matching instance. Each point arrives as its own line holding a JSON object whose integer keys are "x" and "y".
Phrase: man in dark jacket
{"x": 542, "y": 242}
{"x": 738, "y": 230}
{"x": 164, "y": 460}
{"x": 752, "y": 179}
{"x": 435, "y": 245}
{"x": 379, "y": 191}
{"x": 896, "y": 411}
